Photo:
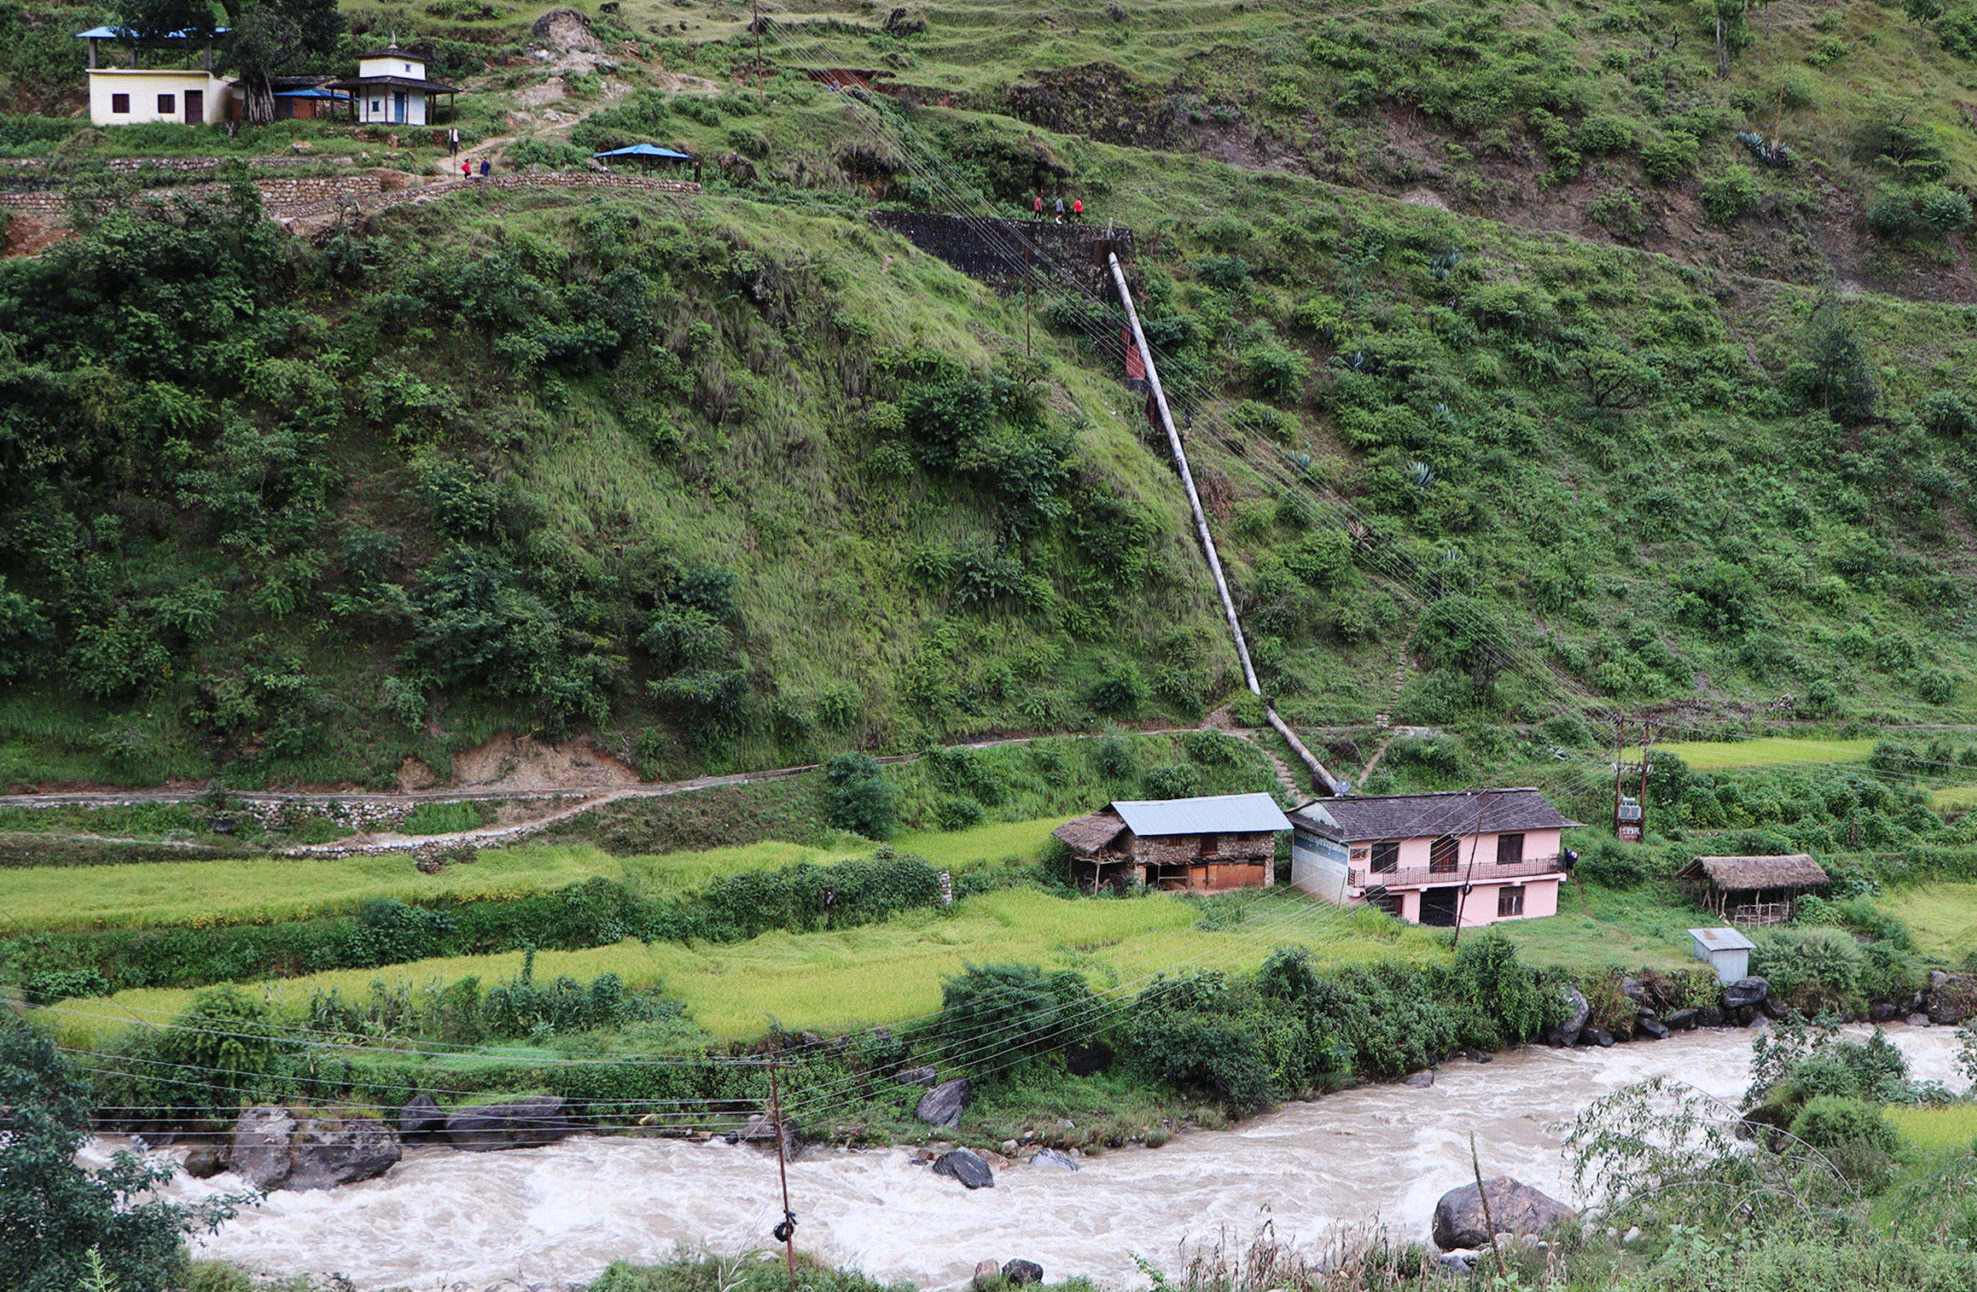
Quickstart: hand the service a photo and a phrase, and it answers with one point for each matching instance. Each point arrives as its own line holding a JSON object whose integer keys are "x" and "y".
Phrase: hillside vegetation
{"x": 738, "y": 480}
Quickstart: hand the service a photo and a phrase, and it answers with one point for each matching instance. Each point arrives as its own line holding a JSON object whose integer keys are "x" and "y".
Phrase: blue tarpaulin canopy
{"x": 647, "y": 150}
{"x": 125, "y": 33}
{"x": 317, "y": 93}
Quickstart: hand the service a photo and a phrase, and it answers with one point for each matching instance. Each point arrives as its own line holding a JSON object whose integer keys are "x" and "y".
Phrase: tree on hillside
{"x": 1835, "y": 374}
{"x": 60, "y": 1223}
{"x": 268, "y": 35}
{"x": 263, "y": 36}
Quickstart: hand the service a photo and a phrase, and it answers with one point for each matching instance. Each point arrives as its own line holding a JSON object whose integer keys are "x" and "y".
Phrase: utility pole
{"x": 787, "y": 1229}
{"x": 755, "y": 7}
{"x": 1475, "y": 846}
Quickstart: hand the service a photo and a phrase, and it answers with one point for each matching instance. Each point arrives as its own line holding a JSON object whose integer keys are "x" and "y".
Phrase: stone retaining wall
{"x": 301, "y": 197}
{"x": 992, "y": 250}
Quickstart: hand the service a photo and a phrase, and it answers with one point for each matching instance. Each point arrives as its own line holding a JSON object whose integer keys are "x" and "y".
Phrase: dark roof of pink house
{"x": 1416, "y": 816}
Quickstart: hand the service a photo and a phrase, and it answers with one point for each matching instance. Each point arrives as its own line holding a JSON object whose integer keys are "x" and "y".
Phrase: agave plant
{"x": 1444, "y": 261}
{"x": 1421, "y": 475}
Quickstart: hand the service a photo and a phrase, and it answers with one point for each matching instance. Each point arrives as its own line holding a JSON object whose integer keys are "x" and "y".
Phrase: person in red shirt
{"x": 466, "y": 169}
{"x": 1036, "y": 208}
{"x": 1077, "y": 210}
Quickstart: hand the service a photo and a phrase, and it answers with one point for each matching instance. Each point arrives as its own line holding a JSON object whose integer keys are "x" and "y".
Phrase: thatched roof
{"x": 1091, "y": 833}
{"x": 1736, "y": 874}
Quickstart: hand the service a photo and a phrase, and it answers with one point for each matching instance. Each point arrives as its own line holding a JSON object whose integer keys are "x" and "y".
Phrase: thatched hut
{"x": 1753, "y": 890}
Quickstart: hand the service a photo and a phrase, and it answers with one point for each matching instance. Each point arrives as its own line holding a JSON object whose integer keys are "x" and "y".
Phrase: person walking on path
{"x": 1077, "y": 210}
{"x": 487, "y": 168}
{"x": 453, "y": 139}
{"x": 1060, "y": 210}
{"x": 1036, "y": 208}
{"x": 466, "y": 169}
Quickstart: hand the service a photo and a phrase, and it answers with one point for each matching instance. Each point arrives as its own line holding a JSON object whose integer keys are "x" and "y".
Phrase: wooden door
{"x": 195, "y": 107}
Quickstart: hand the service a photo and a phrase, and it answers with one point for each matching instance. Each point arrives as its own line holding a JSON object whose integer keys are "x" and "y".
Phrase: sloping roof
{"x": 126, "y": 33}
{"x": 1313, "y": 816}
{"x": 1092, "y": 832}
{"x": 1722, "y": 940}
{"x": 1796, "y": 870}
{"x": 646, "y": 150}
{"x": 313, "y": 92}
{"x": 1215, "y": 814}
{"x": 396, "y": 82}
{"x": 1429, "y": 816}
{"x": 393, "y": 51}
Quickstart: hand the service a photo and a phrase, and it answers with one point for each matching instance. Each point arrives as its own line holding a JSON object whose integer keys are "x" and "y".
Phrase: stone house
{"x": 1469, "y": 856}
{"x": 1193, "y": 845}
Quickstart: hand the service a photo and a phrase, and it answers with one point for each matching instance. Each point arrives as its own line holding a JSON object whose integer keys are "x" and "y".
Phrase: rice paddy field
{"x": 266, "y": 890}
{"x": 877, "y": 974}
{"x": 1941, "y": 917}
{"x": 1938, "y": 1129}
{"x": 1770, "y": 751}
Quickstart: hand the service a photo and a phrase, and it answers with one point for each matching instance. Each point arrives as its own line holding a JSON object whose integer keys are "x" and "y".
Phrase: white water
{"x": 441, "y": 1219}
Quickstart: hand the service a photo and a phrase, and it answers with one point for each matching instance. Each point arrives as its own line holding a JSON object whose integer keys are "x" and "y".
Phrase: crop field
{"x": 1953, "y": 798}
{"x": 1942, "y": 917}
{"x": 1596, "y": 927}
{"x": 878, "y": 974}
{"x": 1771, "y": 751}
{"x": 1936, "y": 1130}
{"x": 266, "y": 890}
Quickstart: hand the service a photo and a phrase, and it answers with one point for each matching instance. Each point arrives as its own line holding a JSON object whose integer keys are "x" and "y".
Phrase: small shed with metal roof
{"x": 1725, "y": 950}
{"x": 1200, "y": 845}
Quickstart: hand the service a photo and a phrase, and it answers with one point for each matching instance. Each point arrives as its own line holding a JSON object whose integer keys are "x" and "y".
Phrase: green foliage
{"x": 1816, "y": 970}
{"x": 989, "y": 1012}
{"x": 68, "y": 1225}
{"x": 1731, "y": 194}
{"x": 1834, "y": 373}
{"x": 859, "y": 798}
{"x": 442, "y": 818}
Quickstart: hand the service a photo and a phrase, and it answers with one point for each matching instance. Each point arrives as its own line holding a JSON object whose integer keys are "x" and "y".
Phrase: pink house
{"x": 1470, "y": 856}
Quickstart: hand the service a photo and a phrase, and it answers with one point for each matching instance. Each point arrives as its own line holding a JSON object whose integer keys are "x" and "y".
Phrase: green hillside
{"x": 1516, "y": 385}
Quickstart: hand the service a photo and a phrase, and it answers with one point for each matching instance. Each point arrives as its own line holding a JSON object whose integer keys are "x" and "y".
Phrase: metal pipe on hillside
{"x": 1187, "y": 476}
{"x": 1322, "y": 779}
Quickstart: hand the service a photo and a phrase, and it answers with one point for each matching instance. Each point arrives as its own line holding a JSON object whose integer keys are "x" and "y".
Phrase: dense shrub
{"x": 1816, "y": 970}
{"x": 989, "y": 1012}
{"x": 858, "y": 797}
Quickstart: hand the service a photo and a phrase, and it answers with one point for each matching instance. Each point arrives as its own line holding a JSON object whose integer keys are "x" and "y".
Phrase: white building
{"x": 121, "y": 96}
{"x": 391, "y": 88}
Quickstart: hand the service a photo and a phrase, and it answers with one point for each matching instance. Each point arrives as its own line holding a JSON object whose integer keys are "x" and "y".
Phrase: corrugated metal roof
{"x": 1722, "y": 940}
{"x": 125, "y": 33}
{"x": 1214, "y": 814}
{"x": 1363, "y": 818}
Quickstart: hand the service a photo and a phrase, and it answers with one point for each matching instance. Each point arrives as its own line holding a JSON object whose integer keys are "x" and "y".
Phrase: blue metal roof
{"x": 317, "y": 93}
{"x": 125, "y": 33}
{"x": 646, "y": 150}
{"x": 1215, "y": 814}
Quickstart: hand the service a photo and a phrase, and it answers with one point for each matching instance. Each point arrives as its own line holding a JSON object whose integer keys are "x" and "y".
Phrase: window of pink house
{"x": 1509, "y": 849}
{"x": 1386, "y": 857}
{"x": 1509, "y": 901}
{"x": 1443, "y": 853}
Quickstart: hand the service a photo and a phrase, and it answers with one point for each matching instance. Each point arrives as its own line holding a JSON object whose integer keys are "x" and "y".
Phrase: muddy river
{"x": 444, "y": 1219}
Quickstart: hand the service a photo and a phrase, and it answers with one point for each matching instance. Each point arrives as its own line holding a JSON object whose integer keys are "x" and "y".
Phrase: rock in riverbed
{"x": 963, "y": 1165}
{"x": 527, "y": 1123}
{"x": 1515, "y": 1208}
{"x": 1023, "y": 1273}
{"x": 273, "y": 1150}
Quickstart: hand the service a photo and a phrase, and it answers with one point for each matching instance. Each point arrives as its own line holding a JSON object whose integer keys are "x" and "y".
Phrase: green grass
{"x": 1770, "y": 751}
{"x": 1936, "y": 1130}
{"x": 269, "y": 889}
{"x": 1596, "y": 927}
{"x": 877, "y": 974}
{"x": 1953, "y": 796}
{"x": 1941, "y": 917}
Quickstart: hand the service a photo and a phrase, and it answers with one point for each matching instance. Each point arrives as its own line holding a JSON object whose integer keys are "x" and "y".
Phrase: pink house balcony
{"x": 1484, "y": 871}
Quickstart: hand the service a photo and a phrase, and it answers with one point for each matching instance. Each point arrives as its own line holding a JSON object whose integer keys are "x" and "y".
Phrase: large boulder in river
{"x": 259, "y": 1154}
{"x": 324, "y": 1154}
{"x": 966, "y": 1166}
{"x": 272, "y": 1149}
{"x": 1577, "y": 1011}
{"x": 527, "y": 1123}
{"x": 1746, "y": 991}
{"x": 943, "y": 1105}
{"x": 1022, "y": 1273}
{"x": 420, "y": 1120}
{"x": 1952, "y": 999}
{"x": 1515, "y": 1208}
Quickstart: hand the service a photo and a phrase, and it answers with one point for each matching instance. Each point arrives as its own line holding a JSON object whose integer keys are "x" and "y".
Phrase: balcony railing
{"x": 1484, "y": 871}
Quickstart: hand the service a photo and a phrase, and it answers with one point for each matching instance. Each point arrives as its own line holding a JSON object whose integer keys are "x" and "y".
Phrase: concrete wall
{"x": 1414, "y": 853}
{"x": 1318, "y": 866}
{"x": 396, "y": 65}
{"x": 375, "y": 106}
{"x": 144, "y": 86}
